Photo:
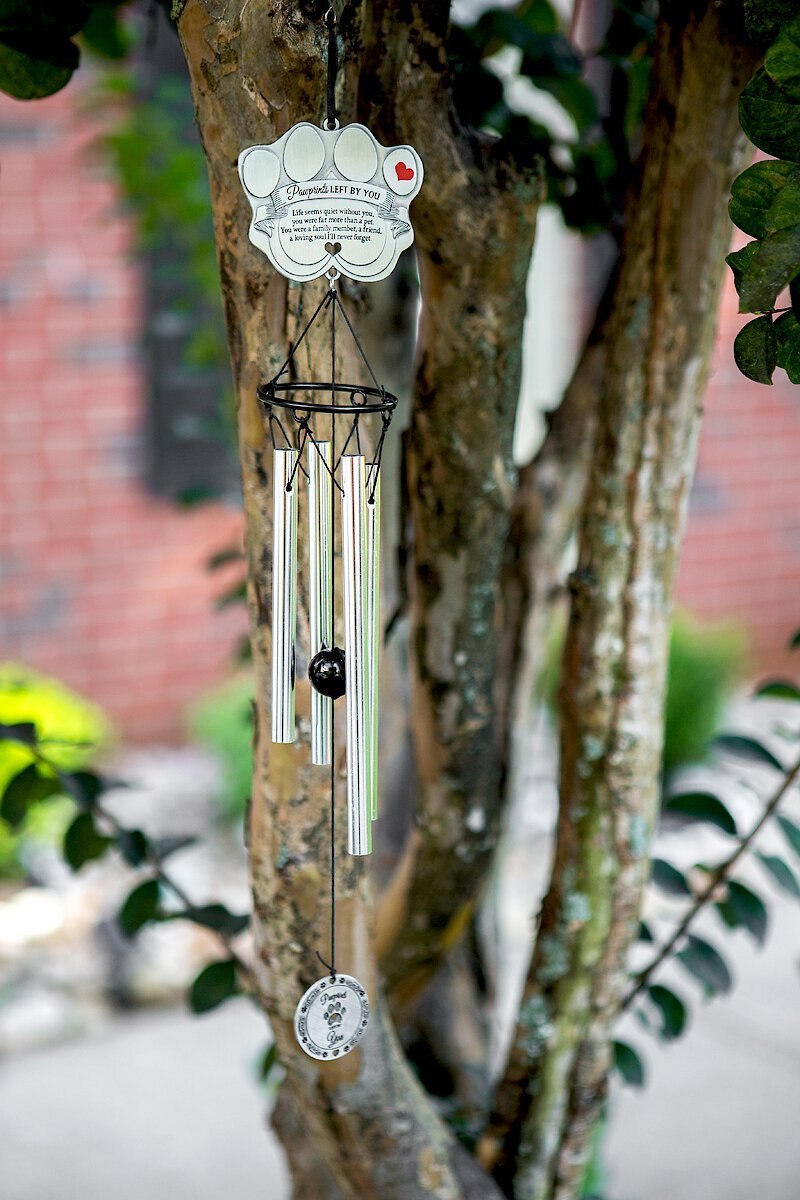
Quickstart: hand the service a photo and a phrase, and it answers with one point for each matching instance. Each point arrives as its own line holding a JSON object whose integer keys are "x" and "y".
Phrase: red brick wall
{"x": 106, "y": 587}
{"x": 741, "y": 554}
{"x": 100, "y": 584}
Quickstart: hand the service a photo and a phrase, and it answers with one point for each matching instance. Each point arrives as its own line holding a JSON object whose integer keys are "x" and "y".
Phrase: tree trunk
{"x": 657, "y": 348}
{"x": 256, "y": 69}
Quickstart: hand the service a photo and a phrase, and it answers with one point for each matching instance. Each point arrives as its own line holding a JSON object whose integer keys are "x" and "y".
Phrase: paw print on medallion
{"x": 334, "y": 1014}
{"x": 325, "y": 200}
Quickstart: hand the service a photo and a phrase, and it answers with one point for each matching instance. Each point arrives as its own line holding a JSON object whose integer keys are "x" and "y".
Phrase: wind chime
{"x": 328, "y": 202}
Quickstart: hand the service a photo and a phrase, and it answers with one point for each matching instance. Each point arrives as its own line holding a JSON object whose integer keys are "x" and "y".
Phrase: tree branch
{"x": 657, "y": 349}
{"x": 716, "y": 877}
{"x": 474, "y": 222}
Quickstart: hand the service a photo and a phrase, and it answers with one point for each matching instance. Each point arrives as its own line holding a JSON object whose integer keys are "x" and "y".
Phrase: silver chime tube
{"x": 284, "y": 592}
{"x": 353, "y": 480}
{"x": 320, "y": 589}
{"x": 372, "y": 625}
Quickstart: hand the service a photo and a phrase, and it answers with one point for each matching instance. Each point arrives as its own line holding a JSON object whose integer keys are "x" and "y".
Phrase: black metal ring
{"x": 278, "y": 395}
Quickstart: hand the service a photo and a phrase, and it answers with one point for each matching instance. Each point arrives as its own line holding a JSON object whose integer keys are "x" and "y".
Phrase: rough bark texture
{"x": 256, "y": 69}
{"x": 474, "y": 222}
{"x": 657, "y": 348}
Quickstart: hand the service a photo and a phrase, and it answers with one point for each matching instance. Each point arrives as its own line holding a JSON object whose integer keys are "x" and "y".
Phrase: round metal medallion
{"x": 331, "y": 1017}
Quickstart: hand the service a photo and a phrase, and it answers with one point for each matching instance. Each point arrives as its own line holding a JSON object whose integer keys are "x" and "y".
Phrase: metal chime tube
{"x": 320, "y": 572}
{"x": 284, "y": 593}
{"x": 353, "y": 479}
{"x": 372, "y": 624}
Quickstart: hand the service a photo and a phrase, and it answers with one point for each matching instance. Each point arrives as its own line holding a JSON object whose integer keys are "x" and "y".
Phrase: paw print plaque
{"x": 332, "y": 1016}
{"x": 329, "y": 201}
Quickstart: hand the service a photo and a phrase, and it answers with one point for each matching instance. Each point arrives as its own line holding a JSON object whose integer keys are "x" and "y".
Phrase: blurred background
{"x": 123, "y": 635}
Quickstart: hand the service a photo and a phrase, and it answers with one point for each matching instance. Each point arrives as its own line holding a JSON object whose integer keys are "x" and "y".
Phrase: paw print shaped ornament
{"x": 331, "y": 200}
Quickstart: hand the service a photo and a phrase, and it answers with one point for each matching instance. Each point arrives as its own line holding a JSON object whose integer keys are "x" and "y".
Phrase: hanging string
{"x": 333, "y": 67}
{"x": 377, "y": 459}
{"x": 332, "y": 964}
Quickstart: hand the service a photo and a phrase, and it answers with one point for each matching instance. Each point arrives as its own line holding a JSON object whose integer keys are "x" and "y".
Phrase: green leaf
{"x": 672, "y": 1009}
{"x": 741, "y": 262}
{"x": 23, "y": 732}
{"x": 761, "y": 270}
{"x": 105, "y": 34}
{"x": 133, "y": 845}
{"x": 83, "y": 841}
{"x": 787, "y": 337}
{"x": 141, "y": 906}
{"x": 780, "y": 689}
{"x": 627, "y": 1064}
{"x": 25, "y": 789}
{"x": 747, "y": 747}
{"x": 215, "y": 984}
{"x": 763, "y": 18}
{"x": 577, "y": 100}
{"x": 706, "y": 964}
{"x": 645, "y": 933}
{"x": 32, "y": 67}
{"x": 769, "y": 114}
{"x": 43, "y": 20}
{"x": 544, "y": 54}
{"x": 754, "y": 192}
{"x": 222, "y": 558}
{"x": 237, "y": 594}
{"x": 702, "y": 806}
{"x": 669, "y": 879}
{"x": 755, "y": 350}
{"x": 782, "y": 61}
{"x": 268, "y": 1060}
{"x": 784, "y": 212}
{"x": 791, "y": 832}
{"x": 742, "y": 907}
{"x": 218, "y": 918}
{"x": 782, "y": 874}
{"x": 85, "y": 787}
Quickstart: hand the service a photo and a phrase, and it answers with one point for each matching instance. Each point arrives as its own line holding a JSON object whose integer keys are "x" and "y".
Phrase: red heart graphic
{"x": 403, "y": 172}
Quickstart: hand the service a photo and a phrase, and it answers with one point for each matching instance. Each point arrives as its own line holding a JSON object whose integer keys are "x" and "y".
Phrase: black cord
{"x": 332, "y": 964}
{"x": 333, "y": 68}
{"x": 333, "y": 849}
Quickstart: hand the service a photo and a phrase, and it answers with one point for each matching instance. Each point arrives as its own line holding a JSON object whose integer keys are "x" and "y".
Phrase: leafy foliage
{"x": 38, "y": 51}
{"x": 222, "y": 720}
{"x": 628, "y": 1064}
{"x": 215, "y": 984}
{"x": 765, "y": 203}
{"x": 83, "y": 841}
{"x": 705, "y": 661}
{"x": 94, "y": 830}
{"x": 669, "y": 879}
{"x": 701, "y": 806}
{"x": 748, "y": 748}
{"x": 742, "y": 907}
{"x": 511, "y": 65}
{"x": 672, "y": 1010}
{"x": 781, "y": 873}
{"x": 739, "y": 905}
{"x": 706, "y": 964}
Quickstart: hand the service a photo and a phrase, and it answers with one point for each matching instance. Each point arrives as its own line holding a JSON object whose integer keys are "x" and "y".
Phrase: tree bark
{"x": 474, "y": 222}
{"x": 255, "y": 70}
{"x": 656, "y": 350}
